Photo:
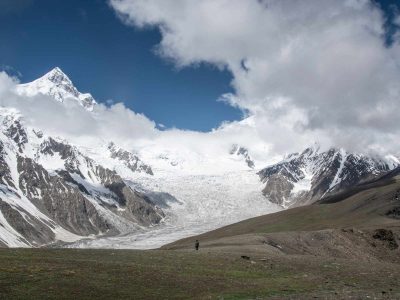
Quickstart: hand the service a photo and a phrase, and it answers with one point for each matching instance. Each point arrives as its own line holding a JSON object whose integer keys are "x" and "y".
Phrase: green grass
{"x": 123, "y": 274}
{"x": 107, "y": 274}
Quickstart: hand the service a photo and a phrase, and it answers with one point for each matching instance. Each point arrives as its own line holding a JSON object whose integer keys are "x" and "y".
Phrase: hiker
{"x": 196, "y": 245}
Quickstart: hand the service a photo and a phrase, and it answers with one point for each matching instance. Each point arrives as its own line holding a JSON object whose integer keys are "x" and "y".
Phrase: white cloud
{"x": 72, "y": 121}
{"x": 116, "y": 123}
{"x": 304, "y": 70}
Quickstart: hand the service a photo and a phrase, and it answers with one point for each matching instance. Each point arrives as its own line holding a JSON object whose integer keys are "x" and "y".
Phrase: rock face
{"x": 29, "y": 230}
{"x": 242, "y": 152}
{"x": 130, "y": 160}
{"x": 62, "y": 202}
{"x": 303, "y": 178}
{"x": 51, "y": 191}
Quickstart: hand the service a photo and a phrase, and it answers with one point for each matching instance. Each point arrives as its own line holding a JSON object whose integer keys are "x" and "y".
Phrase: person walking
{"x": 197, "y": 245}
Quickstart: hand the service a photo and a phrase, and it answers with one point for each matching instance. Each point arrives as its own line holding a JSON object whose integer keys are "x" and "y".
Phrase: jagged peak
{"x": 56, "y": 70}
{"x": 57, "y": 76}
{"x": 58, "y": 85}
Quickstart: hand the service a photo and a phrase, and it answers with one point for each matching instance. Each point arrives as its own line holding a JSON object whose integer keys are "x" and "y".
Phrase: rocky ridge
{"x": 303, "y": 178}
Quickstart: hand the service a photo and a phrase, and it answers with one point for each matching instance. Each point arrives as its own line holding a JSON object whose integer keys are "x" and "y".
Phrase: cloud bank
{"x": 304, "y": 71}
{"x": 71, "y": 121}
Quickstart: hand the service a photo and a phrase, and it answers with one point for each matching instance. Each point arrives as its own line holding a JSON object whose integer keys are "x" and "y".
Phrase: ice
{"x": 205, "y": 202}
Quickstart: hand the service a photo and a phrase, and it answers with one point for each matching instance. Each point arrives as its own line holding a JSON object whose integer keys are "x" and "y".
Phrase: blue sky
{"x": 113, "y": 61}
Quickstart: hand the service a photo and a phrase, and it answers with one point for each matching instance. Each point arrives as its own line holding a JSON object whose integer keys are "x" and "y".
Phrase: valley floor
{"x": 186, "y": 274}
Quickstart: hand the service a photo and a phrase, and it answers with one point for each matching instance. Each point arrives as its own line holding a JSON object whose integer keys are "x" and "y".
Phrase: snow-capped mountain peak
{"x": 57, "y": 76}
{"x": 57, "y": 85}
{"x": 303, "y": 178}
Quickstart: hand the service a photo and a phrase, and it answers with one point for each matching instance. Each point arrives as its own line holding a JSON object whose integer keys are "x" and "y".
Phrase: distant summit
{"x": 306, "y": 177}
{"x": 58, "y": 85}
{"x": 56, "y": 76}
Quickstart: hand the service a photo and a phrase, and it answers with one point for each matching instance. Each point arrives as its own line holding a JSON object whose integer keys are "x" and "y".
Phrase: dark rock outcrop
{"x": 15, "y": 131}
{"x": 130, "y": 160}
{"x": 33, "y": 230}
{"x": 138, "y": 207}
{"x": 62, "y": 202}
{"x": 387, "y": 237}
{"x": 242, "y": 152}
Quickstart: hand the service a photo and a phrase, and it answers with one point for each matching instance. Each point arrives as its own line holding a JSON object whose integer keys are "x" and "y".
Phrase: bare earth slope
{"x": 339, "y": 226}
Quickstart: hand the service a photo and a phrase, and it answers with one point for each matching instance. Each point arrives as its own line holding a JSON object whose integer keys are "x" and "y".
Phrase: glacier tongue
{"x": 203, "y": 203}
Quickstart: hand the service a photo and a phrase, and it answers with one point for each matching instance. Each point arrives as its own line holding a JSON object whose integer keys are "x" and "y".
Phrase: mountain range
{"x": 54, "y": 191}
